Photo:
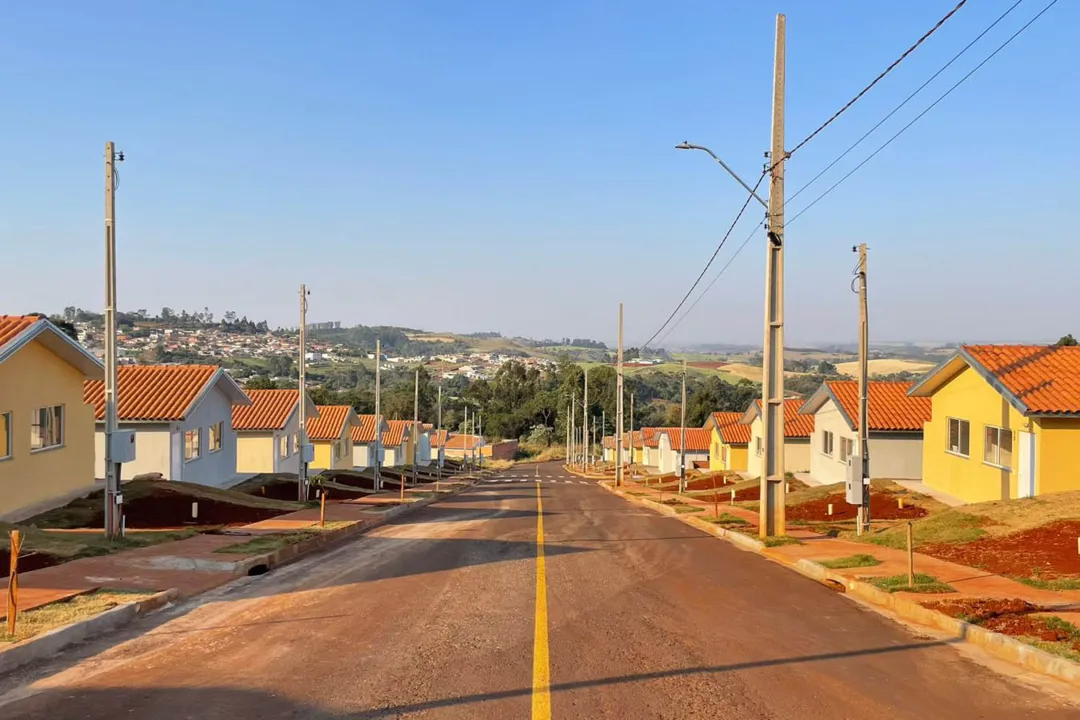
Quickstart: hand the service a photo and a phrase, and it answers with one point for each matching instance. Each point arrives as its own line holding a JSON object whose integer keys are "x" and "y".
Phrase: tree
{"x": 260, "y": 382}
{"x": 167, "y": 314}
{"x": 1067, "y": 341}
{"x": 826, "y": 368}
{"x": 279, "y": 366}
{"x": 69, "y": 313}
{"x": 66, "y": 327}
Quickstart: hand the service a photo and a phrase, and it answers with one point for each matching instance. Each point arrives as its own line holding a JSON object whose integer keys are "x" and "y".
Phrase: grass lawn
{"x": 1066, "y": 648}
{"x": 781, "y": 540}
{"x": 683, "y": 509}
{"x": 728, "y": 519}
{"x": 851, "y": 561}
{"x": 80, "y": 607}
{"x": 899, "y": 583}
{"x": 271, "y": 542}
{"x": 1053, "y": 584}
{"x": 74, "y": 545}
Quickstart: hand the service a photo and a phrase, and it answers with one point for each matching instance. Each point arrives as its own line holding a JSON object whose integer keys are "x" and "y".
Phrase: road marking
{"x": 541, "y": 695}
{"x": 583, "y": 482}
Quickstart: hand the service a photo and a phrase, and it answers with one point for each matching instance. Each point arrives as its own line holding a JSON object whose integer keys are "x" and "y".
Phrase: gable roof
{"x": 1035, "y": 379}
{"x": 720, "y": 419}
{"x": 16, "y": 331}
{"x": 269, "y": 410}
{"x": 795, "y": 425}
{"x": 364, "y": 432}
{"x": 160, "y": 393}
{"x": 438, "y": 439}
{"x": 890, "y": 408}
{"x": 609, "y": 442}
{"x": 395, "y": 432}
{"x": 651, "y": 436}
{"x": 458, "y": 441}
{"x": 735, "y": 434}
{"x": 635, "y": 438}
{"x": 331, "y": 422}
{"x": 697, "y": 439}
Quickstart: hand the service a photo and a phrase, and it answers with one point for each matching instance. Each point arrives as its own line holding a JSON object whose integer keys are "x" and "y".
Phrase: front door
{"x": 1025, "y": 461}
{"x": 176, "y": 455}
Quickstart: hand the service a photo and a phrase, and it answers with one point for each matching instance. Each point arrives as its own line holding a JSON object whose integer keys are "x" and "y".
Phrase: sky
{"x": 510, "y": 166}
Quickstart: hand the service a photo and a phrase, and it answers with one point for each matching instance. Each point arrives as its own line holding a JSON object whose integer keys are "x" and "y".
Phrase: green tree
{"x": 260, "y": 382}
{"x": 1067, "y": 341}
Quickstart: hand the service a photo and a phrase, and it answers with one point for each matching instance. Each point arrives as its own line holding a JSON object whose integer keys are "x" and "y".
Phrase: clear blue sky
{"x": 509, "y": 166}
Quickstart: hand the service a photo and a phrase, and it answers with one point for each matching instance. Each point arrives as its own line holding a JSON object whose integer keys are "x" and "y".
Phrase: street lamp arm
{"x": 688, "y": 146}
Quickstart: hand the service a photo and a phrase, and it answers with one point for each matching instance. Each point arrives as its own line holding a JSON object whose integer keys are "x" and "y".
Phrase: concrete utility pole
{"x": 302, "y": 471}
{"x": 378, "y": 414}
{"x": 573, "y": 428}
{"x": 631, "y": 435}
{"x": 864, "y": 392}
{"x": 619, "y": 408}
{"x": 682, "y": 433}
{"x": 586, "y": 450}
{"x": 112, "y": 468}
{"x": 416, "y": 422}
{"x": 466, "y": 452}
{"x": 439, "y": 449}
{"x": 772, "y": 520}
{"x": 480, "y": 433}
{"x": 568, "y": 431}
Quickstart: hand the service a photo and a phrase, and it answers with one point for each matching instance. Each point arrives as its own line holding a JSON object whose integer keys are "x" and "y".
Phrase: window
{"x": 337, "y": 449}
{"x": 723, "y": 454}
{"x": 47, "y": 428}
{"x": 997, "y": 450}
{"x": 827, "y": 443}
{"x": 216, "y": 430}
{"x": 191, "y": 445}
{"x": 757, "y": 446}
{"x": 283, "y": 446}
{"x": 959, "y": 440}
{"x": 5, "y": 435}
{"x": 296, "y": 442}
{"x": 847, "y": 449}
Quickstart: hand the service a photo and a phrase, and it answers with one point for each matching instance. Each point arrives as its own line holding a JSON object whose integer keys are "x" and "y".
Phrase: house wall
{"x": 291, "y": 462}
{"x": 394, "y": 456}
{"x": 796, "y": 452}
{"x": 1057, "y": 448}
{"x": 363, "y": 455}
{"x": 969, "y": 397}
{"x": 715, "y": 450}
{"x": 324, "y": 453}
{"x": 256, "y": 452}
{"x": 897, "y": 456}
{"x": 893, "y": 455}
{"x": 152, "y": 450}
{"x": 829, "y": 469}
{"x": 210, "y": 468}
{"x": 32, "y": 378}
{"x": 736, "y": 458}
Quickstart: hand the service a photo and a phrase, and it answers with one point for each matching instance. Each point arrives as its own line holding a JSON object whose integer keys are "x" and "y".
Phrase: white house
{"x": 438, "y": 447}
{"x": 182, "y": 418}
{"x": 669, "y": 445}
{"x": 268, "y": 431}
{"x": 797, "y": 431}
{"x": 895, "y": 423}
{"x": 650, "y": 451}
{"x": 363, "y": 438}
{"x": 395, "y": 442}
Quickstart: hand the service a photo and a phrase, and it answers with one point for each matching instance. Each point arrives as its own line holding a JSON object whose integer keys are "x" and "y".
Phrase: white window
{"x": 847, "y": 449}
{"x": 191, "y": 445}
{"x": 47, "y": 428}
{"x": 296, "y": 442}
{"x": 5, "y": 435}
{"x": 216, "y": 431}
{"x": 959, "y": 437}
{"x": 757, "y": 446}
{"x": 997, "y": 450}
{"x": 283, "y": 446}
{"x": 827, "y": 443}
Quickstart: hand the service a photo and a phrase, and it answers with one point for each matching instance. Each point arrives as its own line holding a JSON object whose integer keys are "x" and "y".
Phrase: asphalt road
{"x": 437, "y": 616}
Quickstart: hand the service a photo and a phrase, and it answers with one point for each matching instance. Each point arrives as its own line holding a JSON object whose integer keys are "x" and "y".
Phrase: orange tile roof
{"x": 735, "y": 434}
{"x": 635, "y": 438}
{"x": 795, "y": 425}
{"x": 463, "y": 442}
{"x": 11, "y": 326}
{"x": 269, "y": 410}
{"x": 1043, "y": 380}
{"x": 651, "y": 436}
{"x": 609, "y": 442}
{"x": 396, "y": 434}
{"x": 151, "y": 392}
{"x": 889, "y": 405}
{"x": 722, "y": 419}
{"x": 329, "y": 424}
{"x": 438, "y": 439}
{"x": 697, "y": 439}
{"x": 364, "y": 432}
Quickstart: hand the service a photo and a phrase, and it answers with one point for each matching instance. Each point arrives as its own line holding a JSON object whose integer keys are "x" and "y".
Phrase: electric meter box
{"x": 853, "y": 486}
{"x": 307, "y": 453}
{"x": 122, "y": 444}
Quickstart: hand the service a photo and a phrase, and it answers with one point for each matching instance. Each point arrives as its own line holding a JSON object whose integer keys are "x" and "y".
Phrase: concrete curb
{"x": 50, "y": 643}
{"x": 1002, "y": 647}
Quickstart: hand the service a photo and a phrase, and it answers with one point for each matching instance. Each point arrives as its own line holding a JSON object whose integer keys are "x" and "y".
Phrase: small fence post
{"x": 13, "y": 582}
{"x": 322, "y": 508}
{"x": 910, "y": 556}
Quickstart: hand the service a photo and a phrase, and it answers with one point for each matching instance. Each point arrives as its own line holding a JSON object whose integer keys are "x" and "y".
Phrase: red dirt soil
{"x": 1008, "y": 617}
{"x": 27, "y": 561}
{"x": 1047, "y": 552}
{"x": 707, "y": 483}
{"x": 744, "y": 495}
{"x": 882, "y": 507}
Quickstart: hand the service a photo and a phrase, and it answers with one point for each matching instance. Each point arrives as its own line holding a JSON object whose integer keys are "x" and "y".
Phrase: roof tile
{"x": 11, "y": 326}
{"x": 365, "y": 431}
{"x": 396, "y": 434}
{"x": 151, "y": 392}
{"x": 269, "y": 410}
{"x": 697, "y": 439}
{"x": 890, "y": 407}
{"x": 329, "y": 424}
{"x": 795, "y": 425}
{"x": 1045, "y": 379}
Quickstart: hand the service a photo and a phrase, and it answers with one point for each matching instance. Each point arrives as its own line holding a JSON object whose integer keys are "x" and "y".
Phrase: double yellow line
{"x": 541, "y": 695}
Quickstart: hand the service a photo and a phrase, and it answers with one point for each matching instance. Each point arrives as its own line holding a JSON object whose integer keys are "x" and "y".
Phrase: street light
{"x": 687, "y": 146}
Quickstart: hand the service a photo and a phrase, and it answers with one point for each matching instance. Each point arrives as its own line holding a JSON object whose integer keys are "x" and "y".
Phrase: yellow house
{"x": 636, "y": 447}
{"x": 268, "y": 431}
{"x": 331, "y": 435}
{"x": 46, "y": 430}
{"x": 728, "y": 441}
{"x": 1005, "y": 422}
{"x": 798, "y": 430}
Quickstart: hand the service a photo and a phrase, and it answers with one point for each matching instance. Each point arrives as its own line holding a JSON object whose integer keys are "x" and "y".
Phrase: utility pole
{"x": 302, "y": 473}
{"x": 378, "y": 413}
{"x": 416, "y": 423}
{"x": 773, "y": 495}
{"x": 864, "y": 391}
{"x": 466, "y": 452}
{"x": 439, "y": 449}
{"x": 568, "y": 431}
{"x": 632, "y": 436}
{"x": 585, "y": 449}
{"x": 603, "y": 431}
{"x": 112, "y": 469}
{"x": 480, "y": 433}
{"x": 573, "y": 428}
{"x": 619, "y": 408}
{"x": 682, "y": 433}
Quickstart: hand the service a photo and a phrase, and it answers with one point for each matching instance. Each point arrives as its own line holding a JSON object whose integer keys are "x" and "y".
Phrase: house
{"x": 363, "y": 441}
{"x": 46, "y": 430}
{"x": 420, "y": 434}
{"x": 1005, "y": 422}
{"x": 182, "y": 418}
{"x": 268, "y": 431}
{"x": 669, "y": 443}
{"x": 728, "y": 441}
{"x": 466, "y": 447}
{"x": 438, "y": 446}
{"x": 395, "y": 443}
{"x": 797, "y": 431}
{"x": 331, "y": 436}
{"x": 894, "y": 420}
{"x": 637, "y": 447}
{"x": 608, "y": 444}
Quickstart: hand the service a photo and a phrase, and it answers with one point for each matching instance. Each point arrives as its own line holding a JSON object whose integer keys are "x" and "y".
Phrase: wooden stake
{"x": 13, "y": 582}
{"x": 732, "y": 497}
{"x": 910, "y": 556}
{"x": 715, "y": 499}
{"x": 900, "y": 503}
{"x": 830, "y": 508}
{"x": 322, "y": 508}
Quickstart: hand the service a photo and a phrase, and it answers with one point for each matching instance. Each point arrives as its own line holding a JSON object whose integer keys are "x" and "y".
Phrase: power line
{"x": 734, "y": 222}
{"x": 896, "y": 109}
{"x": 900, "y": 132}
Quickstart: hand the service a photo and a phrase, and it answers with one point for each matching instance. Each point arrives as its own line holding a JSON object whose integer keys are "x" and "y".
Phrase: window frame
{"x": 999, "y": 431}
{"x": 219, "y": 427}
{"x": 847, "y": 449}
{"x": 758, "y": 448}
{"x": 197, "y": 445}
{"x": 828, "y": 443}
{"x": 961, "y": 423}
{"x": 283, "y": 447}
{"x": 7, "y": 431}
{"x": 58, "y": 411}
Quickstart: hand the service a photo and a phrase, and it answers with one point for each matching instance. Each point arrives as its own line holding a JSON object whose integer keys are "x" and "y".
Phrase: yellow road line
{"x": 541, "y": 695}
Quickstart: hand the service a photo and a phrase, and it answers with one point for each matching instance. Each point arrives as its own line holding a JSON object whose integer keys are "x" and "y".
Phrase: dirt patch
{"x": 706, "y": 483}
{"x": 27, "y": 561}
{"x": 979, "y": 610}
{"x": 1046, "y": 552}
{"x": 1012, "y": 616}
{"x": 883, "y": 506}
